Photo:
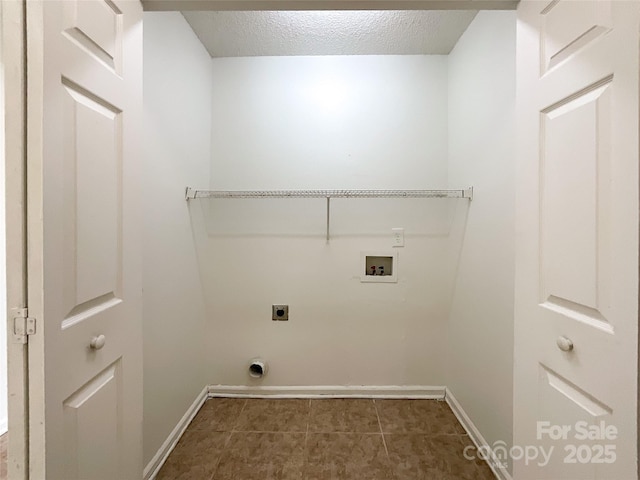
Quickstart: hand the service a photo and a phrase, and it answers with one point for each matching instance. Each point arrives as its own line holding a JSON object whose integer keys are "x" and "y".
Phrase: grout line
{"x": 235, "y": 424}
{"x": 384, "y": 442}
{"x": 289, "y": 432}
{"x": 301, "y": 432}
{"x": 306, "y": 439}
{"x": 227, "y": 441}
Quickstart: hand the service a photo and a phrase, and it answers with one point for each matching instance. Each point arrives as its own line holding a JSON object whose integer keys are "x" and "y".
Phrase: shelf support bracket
{"x": 328, "y": 216}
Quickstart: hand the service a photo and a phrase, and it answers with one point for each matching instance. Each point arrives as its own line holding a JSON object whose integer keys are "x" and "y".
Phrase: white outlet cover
{"x": 398, "y": 237}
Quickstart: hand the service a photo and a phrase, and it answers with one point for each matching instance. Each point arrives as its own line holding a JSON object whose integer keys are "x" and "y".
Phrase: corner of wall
{"x": 481, "y": 153}
{"x": 177, "y": 78}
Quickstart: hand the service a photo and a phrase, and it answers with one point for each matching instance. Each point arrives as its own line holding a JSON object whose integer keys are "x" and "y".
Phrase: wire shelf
{"x": 460, "y": 193}
{"x": 192, "y": 194}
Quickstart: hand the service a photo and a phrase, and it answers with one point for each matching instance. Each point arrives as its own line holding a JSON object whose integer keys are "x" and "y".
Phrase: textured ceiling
{"x": 247, "y": 34}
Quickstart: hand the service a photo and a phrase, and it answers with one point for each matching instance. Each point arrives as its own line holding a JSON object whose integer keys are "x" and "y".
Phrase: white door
{"x": 84, "y": 110}
{"x": 577, "y": 240}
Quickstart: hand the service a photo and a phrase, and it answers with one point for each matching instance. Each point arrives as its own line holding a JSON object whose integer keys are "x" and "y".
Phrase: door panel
{"x": 94, "y": 407}
{"x": 86, "y": 61}
{"x": 96, "y": 27}
{"x": 93, "y": 155}
{"x": 562, "y": 402}
{"x": 577, "y": 226}
{"x": 573, "y": 191}
{"x": 567, "y": 27}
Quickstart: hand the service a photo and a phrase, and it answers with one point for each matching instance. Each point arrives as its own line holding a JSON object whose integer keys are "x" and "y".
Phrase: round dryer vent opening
{"x": 257, "y": 368}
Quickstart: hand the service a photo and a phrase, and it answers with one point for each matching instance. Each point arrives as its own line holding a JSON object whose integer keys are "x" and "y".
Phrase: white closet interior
{"x": 213, "y": 267}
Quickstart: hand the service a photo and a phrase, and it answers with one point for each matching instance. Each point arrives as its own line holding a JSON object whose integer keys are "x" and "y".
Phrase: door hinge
{"x": 23, "y": 326}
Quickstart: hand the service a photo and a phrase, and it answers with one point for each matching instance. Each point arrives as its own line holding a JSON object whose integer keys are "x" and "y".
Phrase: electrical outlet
{"x": 398, "y": 237}
{"x": 280, "y": 313}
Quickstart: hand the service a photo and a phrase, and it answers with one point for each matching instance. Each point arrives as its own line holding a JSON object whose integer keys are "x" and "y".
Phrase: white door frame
{"x": 13, "y": 59}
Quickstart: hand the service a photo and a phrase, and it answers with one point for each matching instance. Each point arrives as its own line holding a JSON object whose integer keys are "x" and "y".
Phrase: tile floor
{"x": 3, "y": 456}
{"x": 327, "y": 439}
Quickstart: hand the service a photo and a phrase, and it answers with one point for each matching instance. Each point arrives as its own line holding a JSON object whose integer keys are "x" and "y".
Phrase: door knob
{"x": 565, "y": 344}
{"x": 98, "y": 342}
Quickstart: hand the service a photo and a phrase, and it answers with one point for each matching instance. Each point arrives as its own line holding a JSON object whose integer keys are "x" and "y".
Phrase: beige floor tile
{"x": 267, "y": 415}
{"x": 427, "y": 457}
{"x": 262, "y": 456}
{"x": 195, "y": 457}
{"x": 343, "y": 415}
{"x": 346, "y": 456}
{"x": 218, "y": 414}
{"x": 332, "y": 439}
{"x": 484, "y": 471}
{"x": 4, "y": 440}
{"x": 417, "y": 416}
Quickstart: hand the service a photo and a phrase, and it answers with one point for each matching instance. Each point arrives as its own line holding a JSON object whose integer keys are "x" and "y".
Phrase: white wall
{"x": 328, "y": 123}
{"x": 177, "y": 89}
{"x": 481, "y": 153}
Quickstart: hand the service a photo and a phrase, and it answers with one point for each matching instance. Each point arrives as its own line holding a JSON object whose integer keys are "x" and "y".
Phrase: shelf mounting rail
{"x": 191, "y": 194}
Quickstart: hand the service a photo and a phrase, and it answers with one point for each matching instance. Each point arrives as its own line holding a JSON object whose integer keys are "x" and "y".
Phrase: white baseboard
{"x": 4, "y": 425}
{"x": 476, "y": 437}
{"x": 153, "y": 467}
{"x": 328, "y": 391}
